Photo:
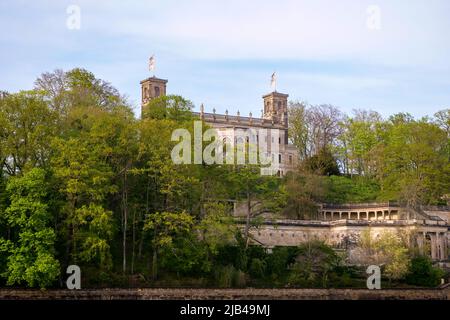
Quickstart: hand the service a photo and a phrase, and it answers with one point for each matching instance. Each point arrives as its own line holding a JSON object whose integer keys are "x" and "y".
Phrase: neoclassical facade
{"x": 341, "y": 226}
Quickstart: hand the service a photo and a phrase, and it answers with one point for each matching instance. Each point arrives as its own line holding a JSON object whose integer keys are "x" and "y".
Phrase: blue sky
{"x": 222, "y": 53}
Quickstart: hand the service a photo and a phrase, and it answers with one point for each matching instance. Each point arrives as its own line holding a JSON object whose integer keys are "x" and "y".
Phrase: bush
{"x": 228, "y": 277}
{"x": 234, "y": 255}
{"x": 279, "y": 261}
{"x": 257, "y": 268}
{"x": 313, "y": 265}
{"x": 422, "y": 273}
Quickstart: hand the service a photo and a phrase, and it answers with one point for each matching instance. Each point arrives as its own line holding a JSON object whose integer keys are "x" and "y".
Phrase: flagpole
{"x": 151, "y": 64}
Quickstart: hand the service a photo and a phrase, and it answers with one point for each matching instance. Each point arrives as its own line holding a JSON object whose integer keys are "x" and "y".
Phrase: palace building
{"x": 231, "y": 128}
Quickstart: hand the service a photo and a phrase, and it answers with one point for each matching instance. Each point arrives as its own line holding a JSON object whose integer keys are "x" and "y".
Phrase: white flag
{"x": 273, "y": 81}
{"x": 151, "y": 63}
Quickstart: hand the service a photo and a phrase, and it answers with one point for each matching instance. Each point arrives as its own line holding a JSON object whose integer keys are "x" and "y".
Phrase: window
{"x": 279, "y": 140}
{"x": 279, "y": 158}
{"x": 157, "y": 93}
{"x": 290, "y": 159}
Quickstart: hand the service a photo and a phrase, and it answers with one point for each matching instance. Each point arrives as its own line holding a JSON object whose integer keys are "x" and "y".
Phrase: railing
{"x": 435, "y": 208}
{"x": 359, "y": 205}
{"x": 325, "y": 223}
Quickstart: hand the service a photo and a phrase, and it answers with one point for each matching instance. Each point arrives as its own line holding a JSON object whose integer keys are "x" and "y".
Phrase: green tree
{"x": 82, "y": 167}
{"x": 386, "y": 248}
{"x": 164, "y": 228}
{"x": 322, "y": 163}
{"x": 305, "y": 190}
{"x": 260, "y": 194}
{"x": 30, "y": 250}
{"x": 414, "y": 167}
{"x": 172, "y": 107}
{"x": 75, "y": 88}
{"x": 358, "y": 139}
{"x": 26, "y": 128}
{"x": 298, "y": 128}
{"x": 313, "y": 265}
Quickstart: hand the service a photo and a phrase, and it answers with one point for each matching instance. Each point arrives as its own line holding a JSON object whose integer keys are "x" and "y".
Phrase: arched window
{"x": 157, "y": 93}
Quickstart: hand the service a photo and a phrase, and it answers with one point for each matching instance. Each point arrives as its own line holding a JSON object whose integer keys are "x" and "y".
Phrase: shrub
{"x": 257, "y": 268}
{"x": 422, "y": 273}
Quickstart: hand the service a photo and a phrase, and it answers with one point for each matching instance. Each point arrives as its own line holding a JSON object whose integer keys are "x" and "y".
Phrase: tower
{"x": 275, "y": 107}
{"x": 152, "y": 88}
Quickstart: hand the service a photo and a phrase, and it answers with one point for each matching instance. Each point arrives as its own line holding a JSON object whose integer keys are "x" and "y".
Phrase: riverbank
{"x": 226, "y": 294}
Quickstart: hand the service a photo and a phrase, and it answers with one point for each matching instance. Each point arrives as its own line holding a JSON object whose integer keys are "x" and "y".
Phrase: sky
{"x": 387, "y": 56}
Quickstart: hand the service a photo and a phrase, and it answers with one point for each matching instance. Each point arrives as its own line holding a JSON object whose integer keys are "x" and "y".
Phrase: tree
{"x": 305, "y": 190}
{"x": 27, "y": 126}
{"x": 165, "y": 227}
{"x": 413, "y": 165}
{"x": 386, "y": 248}
{"x": 172, "y": 107}
{"x": 30, "y": 250}
{"x": 299, "y": 129}
{"x": 323, "y": 163}
{"x": 313, "y": 264}
{"x": 78, "y": 87}
{"x": 324, "y": 122}
{"x": 216, "y": 227}
{"x": 84, "y": 179}
{"x": 442, "y": 119}
{"x": 357, "y": 141}
{"x": 313, "y": 128}
{"x": 261, "y": 194}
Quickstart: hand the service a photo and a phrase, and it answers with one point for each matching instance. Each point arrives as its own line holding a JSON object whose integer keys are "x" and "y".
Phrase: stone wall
{"x": 227, "y": 294}
{"x": 346, "y": 233}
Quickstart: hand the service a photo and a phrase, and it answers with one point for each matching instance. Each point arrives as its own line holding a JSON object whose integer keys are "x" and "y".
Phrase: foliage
{"x": 313, "y": 265}
{"x": 170, "y": 107}
{"x": 30, "y": 252}
{"x": 386, "y": 248}
{"x": 422, "y": 273}
{"x": 304, "y": 190}
{"x": 27, "y": 125}
{"x": 84, "y": 181}
{"x": 341, "y": 189}
{"x": 165, "y": 228}
{"x": 322, "y": 163}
